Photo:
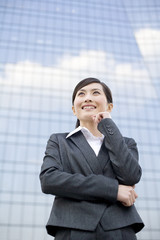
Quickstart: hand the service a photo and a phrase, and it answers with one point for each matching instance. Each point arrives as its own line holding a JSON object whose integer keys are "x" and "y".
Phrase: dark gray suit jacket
{"x": 85, "y": 185}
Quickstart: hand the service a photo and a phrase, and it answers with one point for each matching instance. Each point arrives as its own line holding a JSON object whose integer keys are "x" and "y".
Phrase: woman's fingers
{"x": 101, "y": 115}
{"x": 126, "y": 195}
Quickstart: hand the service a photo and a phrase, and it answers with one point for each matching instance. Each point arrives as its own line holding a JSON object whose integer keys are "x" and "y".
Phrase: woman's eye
{"x": 80, "y": 93}
{"x": 96, "y": 92}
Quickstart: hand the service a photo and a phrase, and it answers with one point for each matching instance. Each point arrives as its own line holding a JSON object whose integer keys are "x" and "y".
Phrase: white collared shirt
{"x": 94, "y": 142}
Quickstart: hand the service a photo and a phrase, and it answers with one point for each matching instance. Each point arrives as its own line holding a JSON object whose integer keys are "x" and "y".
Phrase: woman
{"x": 92, "y": 171}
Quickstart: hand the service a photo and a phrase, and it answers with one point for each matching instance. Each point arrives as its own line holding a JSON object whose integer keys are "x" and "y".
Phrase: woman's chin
{"x": 88, "y": 118}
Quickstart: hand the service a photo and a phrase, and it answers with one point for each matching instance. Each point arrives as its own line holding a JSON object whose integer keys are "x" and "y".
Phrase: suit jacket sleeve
{"x": 56, "y": 181}
{"x": 123, "y": 153}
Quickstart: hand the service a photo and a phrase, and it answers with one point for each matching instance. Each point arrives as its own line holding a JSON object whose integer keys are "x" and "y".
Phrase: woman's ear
{"x": 110, "y": 107}
{"x": 73, "y": 109}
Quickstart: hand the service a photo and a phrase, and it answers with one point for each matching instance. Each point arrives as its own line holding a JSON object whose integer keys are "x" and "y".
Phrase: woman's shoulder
{"x": 55, "y": 136}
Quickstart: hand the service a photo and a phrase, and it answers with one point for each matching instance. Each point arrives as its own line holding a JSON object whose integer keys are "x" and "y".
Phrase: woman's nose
{"x": 88, "y": 99}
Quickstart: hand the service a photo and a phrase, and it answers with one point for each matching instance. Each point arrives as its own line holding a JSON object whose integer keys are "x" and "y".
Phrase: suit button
{"x": 110, "y": 131}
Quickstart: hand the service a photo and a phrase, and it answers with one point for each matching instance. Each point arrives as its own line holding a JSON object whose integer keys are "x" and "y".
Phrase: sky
{"x": 46, "y": 48}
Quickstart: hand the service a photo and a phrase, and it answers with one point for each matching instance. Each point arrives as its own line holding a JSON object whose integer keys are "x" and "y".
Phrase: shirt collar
{"x": 74, "y": 131}
{"x": 85, "y": 131}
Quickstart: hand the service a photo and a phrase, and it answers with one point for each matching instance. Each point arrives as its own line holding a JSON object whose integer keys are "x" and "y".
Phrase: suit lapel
{"x": 103, "y": 156}
{"x": 90, "y": 156}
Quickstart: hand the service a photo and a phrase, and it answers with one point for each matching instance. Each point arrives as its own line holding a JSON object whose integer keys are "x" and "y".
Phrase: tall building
{"x": 46, "y": 47}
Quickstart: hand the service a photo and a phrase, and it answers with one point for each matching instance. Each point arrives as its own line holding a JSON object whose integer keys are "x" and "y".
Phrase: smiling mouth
{"x": 88, "y": 107}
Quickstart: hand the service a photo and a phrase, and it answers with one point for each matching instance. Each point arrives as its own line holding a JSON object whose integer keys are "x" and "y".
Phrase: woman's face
{"x": 89, "y": 101}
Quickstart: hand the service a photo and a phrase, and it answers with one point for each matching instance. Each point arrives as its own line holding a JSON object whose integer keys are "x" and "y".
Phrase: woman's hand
{"x": 99, "y": 116}
{"x": 126, "y": 195}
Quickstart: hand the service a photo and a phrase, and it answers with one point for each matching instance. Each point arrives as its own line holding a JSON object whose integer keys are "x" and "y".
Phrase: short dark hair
{"x": 88, "y": 81}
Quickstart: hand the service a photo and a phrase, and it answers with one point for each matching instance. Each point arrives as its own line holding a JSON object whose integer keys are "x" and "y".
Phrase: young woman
{"x": 92, "y": 171}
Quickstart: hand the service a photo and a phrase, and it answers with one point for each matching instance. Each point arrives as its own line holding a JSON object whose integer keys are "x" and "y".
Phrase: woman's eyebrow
{"x": 82, "y": 90}
{"x": 96, "y": 89}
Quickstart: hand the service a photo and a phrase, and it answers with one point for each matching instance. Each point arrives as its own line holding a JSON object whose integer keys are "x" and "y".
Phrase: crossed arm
{"x": 124, "y": 158}
{"x": 54, "y": 180}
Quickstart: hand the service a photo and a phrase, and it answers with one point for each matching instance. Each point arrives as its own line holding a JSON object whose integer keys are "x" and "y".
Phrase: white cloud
{"x": 28, "y": 79}
{"x": 32, "y": 91}
{"x": 149, "y": 42}
{"x": 66, "y": 73}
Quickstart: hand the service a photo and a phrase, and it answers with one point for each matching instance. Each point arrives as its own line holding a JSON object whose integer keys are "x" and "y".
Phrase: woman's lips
{"x": 88, "y": 107}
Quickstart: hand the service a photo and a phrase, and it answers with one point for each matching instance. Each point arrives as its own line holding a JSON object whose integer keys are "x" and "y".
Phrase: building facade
{"x": 46, "y": 48}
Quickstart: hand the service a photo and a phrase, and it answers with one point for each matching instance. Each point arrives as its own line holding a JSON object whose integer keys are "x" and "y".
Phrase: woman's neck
{"x": 92, "y": 127}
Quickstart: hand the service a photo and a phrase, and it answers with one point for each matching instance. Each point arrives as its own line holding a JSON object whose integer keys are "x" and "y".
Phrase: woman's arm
{"x": 123, "y": 153}
{"x": 54, "y": 180}
{"x": 57, "y": 182}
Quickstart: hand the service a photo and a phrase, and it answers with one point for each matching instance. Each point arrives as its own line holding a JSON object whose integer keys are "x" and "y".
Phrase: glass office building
{"x": 46, "y": 47}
